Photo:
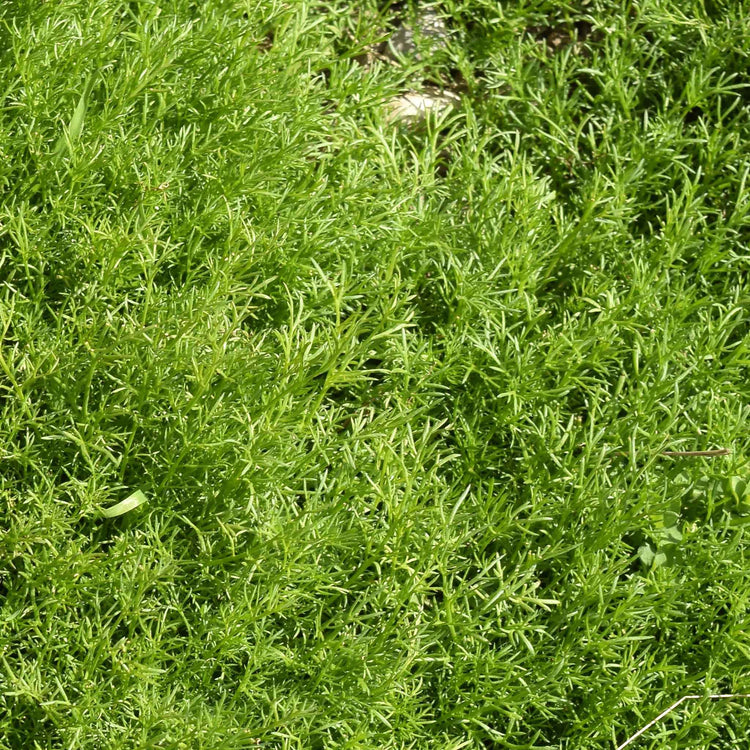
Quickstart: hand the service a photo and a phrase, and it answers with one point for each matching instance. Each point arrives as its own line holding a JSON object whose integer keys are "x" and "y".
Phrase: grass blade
{"x": 125, "y": 506}
{"x": 73, "y": 132}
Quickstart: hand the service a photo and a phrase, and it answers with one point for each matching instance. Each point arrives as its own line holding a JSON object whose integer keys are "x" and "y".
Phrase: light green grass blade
{"x": 125, "y": 506}
{"x": 76, "y": 122}
{"x": 73, "y": 132}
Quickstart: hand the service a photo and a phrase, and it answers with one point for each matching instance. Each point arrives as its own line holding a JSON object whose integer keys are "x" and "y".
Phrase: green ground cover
{"x": 397, "y": 394}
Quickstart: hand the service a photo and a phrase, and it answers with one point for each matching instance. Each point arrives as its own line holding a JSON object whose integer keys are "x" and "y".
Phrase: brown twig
{"x": 709, "y": 454}
{"x": 688, "y": 454}
{"x": 720, "y": 696}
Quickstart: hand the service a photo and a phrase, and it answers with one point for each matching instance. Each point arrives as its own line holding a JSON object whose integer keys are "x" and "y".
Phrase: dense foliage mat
{"x": 393, "y": 398}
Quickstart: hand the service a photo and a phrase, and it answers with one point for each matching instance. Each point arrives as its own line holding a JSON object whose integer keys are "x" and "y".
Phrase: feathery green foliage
{"x": 396, "y": 395}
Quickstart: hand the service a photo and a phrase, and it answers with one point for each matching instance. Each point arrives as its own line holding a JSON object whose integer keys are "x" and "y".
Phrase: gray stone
{"x": 428, "y": 32}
